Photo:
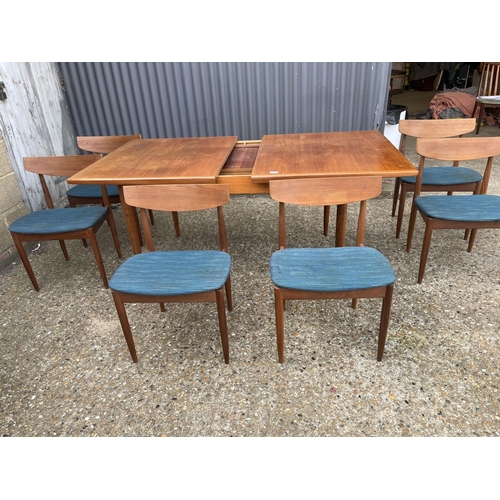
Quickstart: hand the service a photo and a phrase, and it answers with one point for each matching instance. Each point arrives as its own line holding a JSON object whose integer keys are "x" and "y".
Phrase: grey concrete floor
{"x": 65, "y": 369}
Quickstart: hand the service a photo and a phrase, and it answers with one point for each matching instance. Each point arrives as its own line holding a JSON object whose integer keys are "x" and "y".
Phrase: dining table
{"x": 247, "y": 166}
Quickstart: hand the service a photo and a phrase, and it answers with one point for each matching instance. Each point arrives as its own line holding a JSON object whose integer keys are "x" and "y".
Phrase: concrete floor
{"x": 65, "y": 369}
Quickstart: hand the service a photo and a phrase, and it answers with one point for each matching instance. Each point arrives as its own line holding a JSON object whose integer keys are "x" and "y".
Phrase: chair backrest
{"x": 325, "y": 191}
{"x": 434, "y": 128}
{"x": 61, "y": 166}
{"x": 178, "y": 198}
{"x": 455, "y": 149}
{"x": 105, "y": 143}
{"x": 489, "y": 84}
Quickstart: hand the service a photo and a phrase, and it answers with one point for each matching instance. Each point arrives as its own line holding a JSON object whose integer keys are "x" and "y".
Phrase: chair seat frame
{"x": 217, "y": 296}
{"x": 451, "y": 149}
{"x": 431, "y": 128}
{"x": 84, "y": 234}
{"x": 283, "y": 294}
{"x": 323, "y": 192}
{"x": 175, "y": 198}
{"x": 63, "y": 166}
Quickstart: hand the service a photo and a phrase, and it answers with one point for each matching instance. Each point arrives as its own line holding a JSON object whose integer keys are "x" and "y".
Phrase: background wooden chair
{"x": 89, "y": 194}
{"x": 175, "y": 276}
{"x": 435, "y": 178}
{"x": 489, "y": 85}
{"x": 62, "y": 223}
{"x": 470, "y": 212}
{"x": 329, "y": 273}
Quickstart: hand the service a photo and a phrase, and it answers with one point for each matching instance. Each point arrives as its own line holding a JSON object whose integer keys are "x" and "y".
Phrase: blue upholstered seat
{"x": 467, "y": 208}
{"x": 444, "y": 176}
{"x": 58, "y": 220}
{"x": 91, "y": 191}
{"x": 330, "y": 269}
{"x": 172, "y": 272}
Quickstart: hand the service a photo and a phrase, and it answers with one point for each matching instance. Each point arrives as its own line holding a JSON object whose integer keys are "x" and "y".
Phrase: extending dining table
{"x": 247, "y": 166}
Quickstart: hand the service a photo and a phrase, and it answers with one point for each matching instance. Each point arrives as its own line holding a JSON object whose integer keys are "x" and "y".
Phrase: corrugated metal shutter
{"x": 247, "y": 99}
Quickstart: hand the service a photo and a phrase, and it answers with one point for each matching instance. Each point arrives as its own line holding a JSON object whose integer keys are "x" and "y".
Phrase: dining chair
{"x": 488, "y": 91}
{"x": 470, "y": 212}
{"x": 175, "y": 276}
{"x": 329, "y": 273}
{"x": 62, "y": 224}
{"x": 435, "y": 178}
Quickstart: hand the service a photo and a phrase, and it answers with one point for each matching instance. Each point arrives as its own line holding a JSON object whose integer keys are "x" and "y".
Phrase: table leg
{"x": 341, "y": 224}
{"x": 131, "y": 222}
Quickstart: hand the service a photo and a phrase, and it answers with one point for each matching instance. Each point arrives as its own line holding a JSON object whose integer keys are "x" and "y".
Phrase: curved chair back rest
{"x": 178, "y": 198}
{"x": 62, "y": 166}
{"x": 105, "y": 143}
{"x": 434, "y": 128}
{"x": 489, "y": 84}
{"x": 59, "y": 165}
{"x": 466, "y": 148}
{"x": 324, "y": 191}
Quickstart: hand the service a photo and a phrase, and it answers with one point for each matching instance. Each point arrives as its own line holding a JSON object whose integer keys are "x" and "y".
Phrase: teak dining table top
{"x": 324, "y": 154}
{"x": 157, "y": 161}
{"x": 280, "y": 156}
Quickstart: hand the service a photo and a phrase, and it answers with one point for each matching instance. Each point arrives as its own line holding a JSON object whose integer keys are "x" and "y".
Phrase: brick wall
{"x": 11, "y": 206}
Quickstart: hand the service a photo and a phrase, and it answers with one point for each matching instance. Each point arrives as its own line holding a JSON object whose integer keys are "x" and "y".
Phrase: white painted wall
{"x": 34, "y": 121}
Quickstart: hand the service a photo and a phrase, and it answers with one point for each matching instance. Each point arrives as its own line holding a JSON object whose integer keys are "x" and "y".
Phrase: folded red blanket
{"x": 464, "y": 102}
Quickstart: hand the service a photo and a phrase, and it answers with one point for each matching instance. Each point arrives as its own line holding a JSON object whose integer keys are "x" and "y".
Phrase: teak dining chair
{"x": 62, "y": 223}
{"x": 329, "y": 273}
{"x": 488, "y": 92}
{"x": 435, "y": 178}
{"x": 470, "y": 212}
{"x": 175, "y": 276}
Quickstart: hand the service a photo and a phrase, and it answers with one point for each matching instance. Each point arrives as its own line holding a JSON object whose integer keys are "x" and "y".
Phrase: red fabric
{"x": 464, "y": 102}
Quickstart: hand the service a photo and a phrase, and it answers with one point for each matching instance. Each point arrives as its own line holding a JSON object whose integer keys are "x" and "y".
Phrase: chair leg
{"x": 354, "y": 303}
{"x": 175, "y": 218}
{"x": 395, "y": 196}
{"x": 72, "y": 204}
{"x": 138, "y": 226}
{"x": 151, "y": 217}
{"x": 229, "y": 295}
{"x": 411, "y": 226}
{"x": 481, "y": 110}
{"x": 114, "y": 232}
{"x": 64, "y": 249}
{"x": 221, "y": 312}
{"x": 471, "y": 239}
{"x": 429, "y": 226}
{"x": 280, "y": 325}
{"x": 98, "y": 257}
{"x": 384, "y": 321}
{"x": 122, "y": 316}
{"x": 26, "y": 262}
{"x": 401, "y": 210}
{"x": 326, "y": 219}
